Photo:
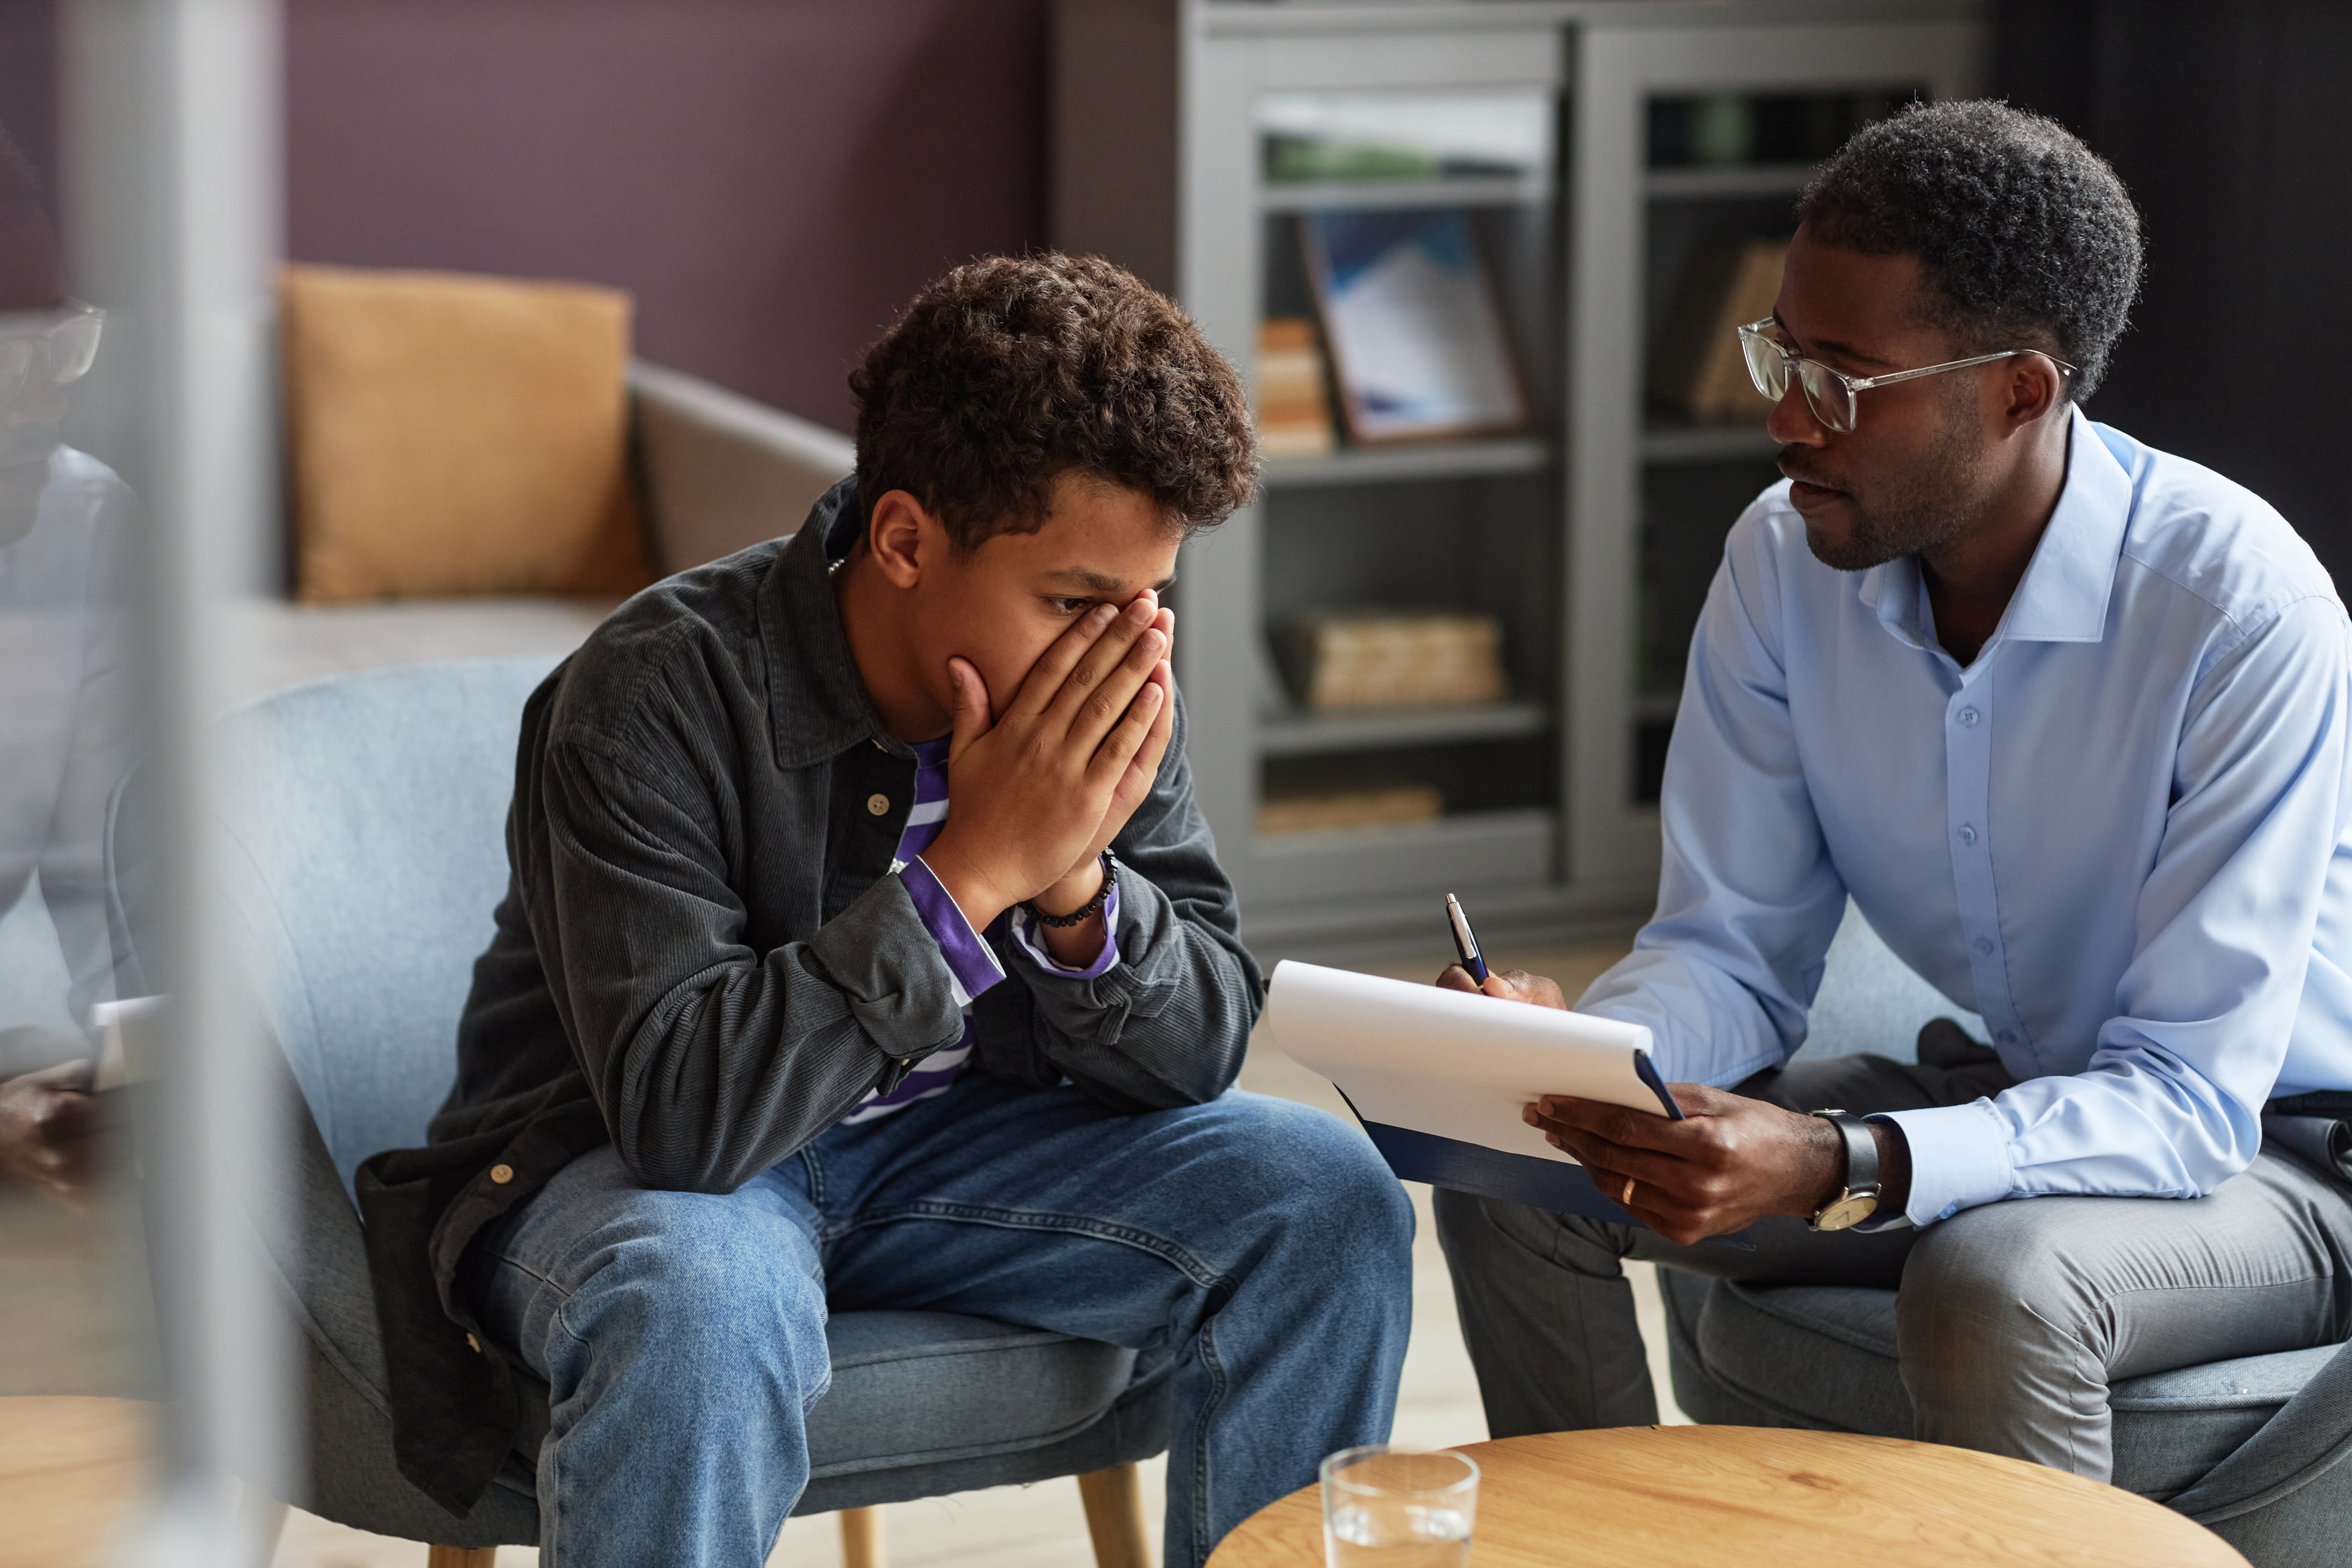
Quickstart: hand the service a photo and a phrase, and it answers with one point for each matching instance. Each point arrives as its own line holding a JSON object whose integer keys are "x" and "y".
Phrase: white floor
{"x": 1042, "y": 1526}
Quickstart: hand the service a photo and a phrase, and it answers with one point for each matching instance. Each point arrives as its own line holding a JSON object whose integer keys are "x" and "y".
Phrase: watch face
{"x": 1846, "y": 1211}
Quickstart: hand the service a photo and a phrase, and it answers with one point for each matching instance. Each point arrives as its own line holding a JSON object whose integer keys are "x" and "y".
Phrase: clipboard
{"x": 1438, "y": 1078}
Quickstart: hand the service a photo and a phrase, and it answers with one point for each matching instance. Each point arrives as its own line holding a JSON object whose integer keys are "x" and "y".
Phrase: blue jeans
{"x": 1255, "y": 1251}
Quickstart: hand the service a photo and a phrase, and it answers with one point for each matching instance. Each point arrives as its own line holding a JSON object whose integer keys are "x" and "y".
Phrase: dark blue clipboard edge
{"x": 1415, "y": 1156}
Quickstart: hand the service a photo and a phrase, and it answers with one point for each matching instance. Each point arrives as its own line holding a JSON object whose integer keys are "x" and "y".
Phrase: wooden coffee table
{"x": 1643, "y": 1496}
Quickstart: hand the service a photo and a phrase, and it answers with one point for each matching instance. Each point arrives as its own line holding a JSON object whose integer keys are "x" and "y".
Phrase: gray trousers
{"x": 2012, "y": 1318}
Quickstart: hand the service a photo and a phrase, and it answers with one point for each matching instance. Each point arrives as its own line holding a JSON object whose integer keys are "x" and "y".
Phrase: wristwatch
{"x": 1857, "y": 1200}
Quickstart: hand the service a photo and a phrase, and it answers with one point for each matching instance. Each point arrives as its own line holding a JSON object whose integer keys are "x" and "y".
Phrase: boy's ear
{"x": 896, "y": 535}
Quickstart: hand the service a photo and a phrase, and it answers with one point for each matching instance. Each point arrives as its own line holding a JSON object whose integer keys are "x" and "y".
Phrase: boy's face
{"x": 1004, "y": 603}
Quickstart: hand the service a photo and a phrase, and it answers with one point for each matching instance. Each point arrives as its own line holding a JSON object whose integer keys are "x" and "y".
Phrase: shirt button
{"x": 2006, "y": 1038}
{"x": 1984, "y": 946}
{"x": 1968, "y": 717}
{"x": 1968, "y": 834}
{"x": 503, "y": 1174}
{"x": 877, "y": 805}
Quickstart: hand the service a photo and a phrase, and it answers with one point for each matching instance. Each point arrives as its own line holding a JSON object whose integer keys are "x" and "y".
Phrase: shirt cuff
{"x": 1960, "y": 1159}
{"x": 1025, "y": 932}
{"x": 972, "y": 963}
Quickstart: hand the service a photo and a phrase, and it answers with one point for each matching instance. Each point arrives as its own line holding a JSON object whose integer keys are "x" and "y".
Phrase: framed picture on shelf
{"x": 1417, "y": 345}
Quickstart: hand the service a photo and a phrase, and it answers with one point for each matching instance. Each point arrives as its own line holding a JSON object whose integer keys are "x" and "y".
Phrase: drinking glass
{"x": 1386, "y": 1507}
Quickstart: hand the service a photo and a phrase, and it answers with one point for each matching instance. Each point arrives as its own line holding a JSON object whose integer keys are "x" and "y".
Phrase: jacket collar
{"x": 818, "y": 703}
{"x": 2064, "y": 595}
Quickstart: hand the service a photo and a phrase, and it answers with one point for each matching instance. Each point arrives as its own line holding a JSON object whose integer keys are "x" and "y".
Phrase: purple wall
{"x": 28, "y": 85}
{"x": 771, "y": 178}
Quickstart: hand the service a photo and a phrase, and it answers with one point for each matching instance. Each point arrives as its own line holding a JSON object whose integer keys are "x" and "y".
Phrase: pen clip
{"x": 1466, "y": 941}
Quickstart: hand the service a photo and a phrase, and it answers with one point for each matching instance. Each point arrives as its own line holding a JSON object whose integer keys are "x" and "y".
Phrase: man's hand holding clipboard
{"x": 1725, "y": 1162}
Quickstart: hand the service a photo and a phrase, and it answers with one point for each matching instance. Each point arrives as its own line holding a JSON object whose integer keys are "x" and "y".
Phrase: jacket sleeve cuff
{"x": 970, "y": 963}
{"x": 1960, "y": 1159}
{"x": 1025, "y": 932}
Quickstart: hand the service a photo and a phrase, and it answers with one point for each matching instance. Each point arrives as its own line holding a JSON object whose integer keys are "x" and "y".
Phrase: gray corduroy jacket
{"x": 702, "y": 958}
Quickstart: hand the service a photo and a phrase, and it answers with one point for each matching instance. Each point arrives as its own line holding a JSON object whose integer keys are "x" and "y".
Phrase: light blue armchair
{"x": 2257, "y": 1448}
{"x": 367, "y": 850}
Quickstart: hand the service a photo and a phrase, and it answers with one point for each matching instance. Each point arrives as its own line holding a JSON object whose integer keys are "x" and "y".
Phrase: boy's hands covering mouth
{"x": 1038, "y": 793}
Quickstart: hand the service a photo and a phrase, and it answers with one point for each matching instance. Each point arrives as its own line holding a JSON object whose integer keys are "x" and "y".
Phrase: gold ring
{"x": 1625, "y": 1198}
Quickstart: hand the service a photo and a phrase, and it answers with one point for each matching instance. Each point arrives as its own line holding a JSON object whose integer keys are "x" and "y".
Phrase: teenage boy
{"x": 2068, "y": 719}
{"x": 865, "y": 949}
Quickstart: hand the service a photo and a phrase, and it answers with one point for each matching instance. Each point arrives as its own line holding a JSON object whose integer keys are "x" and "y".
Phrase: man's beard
{"x": 1921, "y": 510}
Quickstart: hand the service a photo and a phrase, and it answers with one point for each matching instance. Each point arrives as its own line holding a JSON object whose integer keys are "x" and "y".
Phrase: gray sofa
{"x": 717, "y": 472}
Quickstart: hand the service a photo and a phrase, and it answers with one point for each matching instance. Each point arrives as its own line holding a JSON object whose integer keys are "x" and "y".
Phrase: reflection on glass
{"x": 70, "y": 1291}
{"x": 1324, "y": 136}
{"x": 65, "y": 522}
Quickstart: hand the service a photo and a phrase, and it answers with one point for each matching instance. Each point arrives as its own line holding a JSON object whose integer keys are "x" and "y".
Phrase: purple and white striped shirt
{"x": 972, "y": 963}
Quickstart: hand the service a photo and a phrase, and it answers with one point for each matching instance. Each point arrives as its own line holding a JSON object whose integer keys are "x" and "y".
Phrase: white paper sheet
{"x": 1455, "y": 1064}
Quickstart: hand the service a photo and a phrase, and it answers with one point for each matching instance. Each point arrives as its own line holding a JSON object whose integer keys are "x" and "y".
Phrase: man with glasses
{"x": 2067, "y": 718}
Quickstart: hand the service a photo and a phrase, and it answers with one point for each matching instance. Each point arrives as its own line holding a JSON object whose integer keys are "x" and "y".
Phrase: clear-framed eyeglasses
{"x": 1832, "y": 394}
{"x": 56, "y": 345}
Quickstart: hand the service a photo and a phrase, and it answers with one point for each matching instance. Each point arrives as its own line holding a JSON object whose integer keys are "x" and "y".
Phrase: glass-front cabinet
{"x": 1480, "y": 262}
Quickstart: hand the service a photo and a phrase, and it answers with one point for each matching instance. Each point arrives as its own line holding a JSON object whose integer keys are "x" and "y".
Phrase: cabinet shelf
{"x": 1307, "y": 734}
{"x": 1438, "y": 460}
{"x": 1474, "y": 850}
{"x": 1740, "y": 180}
{"x": 1354, "y": 195}
{"x": 1704, "y": 444}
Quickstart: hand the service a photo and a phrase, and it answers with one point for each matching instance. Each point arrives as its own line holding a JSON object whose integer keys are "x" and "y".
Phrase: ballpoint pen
{"x": 1464, "y": 942}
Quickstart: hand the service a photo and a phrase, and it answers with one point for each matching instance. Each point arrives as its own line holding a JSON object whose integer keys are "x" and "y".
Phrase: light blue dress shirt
{"x": 2119, "y": 835}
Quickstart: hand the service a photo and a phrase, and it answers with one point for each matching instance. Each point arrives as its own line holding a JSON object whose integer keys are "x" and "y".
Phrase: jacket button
{"x": 503, "y": 1174}
{"x": 877, "y": 804}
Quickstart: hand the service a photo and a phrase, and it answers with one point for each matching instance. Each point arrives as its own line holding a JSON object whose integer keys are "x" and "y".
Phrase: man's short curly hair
{"x": 2025, "y": 235}
{"x": 1013, "y": 371}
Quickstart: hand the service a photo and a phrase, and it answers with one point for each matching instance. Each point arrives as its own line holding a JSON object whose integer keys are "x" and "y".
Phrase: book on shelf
{"x": 1417, "y": 343}
{"x": 1698, "y": 371}
{"x": 1293, "y": 400}
{"x": 1350, "y": 808}
{"x": 1355, "y": 660}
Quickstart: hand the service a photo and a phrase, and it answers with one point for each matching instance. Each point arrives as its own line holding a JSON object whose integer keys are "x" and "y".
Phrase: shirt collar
{"x": 817, "y": 704}
{"x": 2063, "y": 596}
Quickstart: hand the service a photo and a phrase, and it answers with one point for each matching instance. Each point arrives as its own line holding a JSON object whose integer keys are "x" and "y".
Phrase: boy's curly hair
{"x": 1013, "y": 371}
{"x": 2025, "y": 234}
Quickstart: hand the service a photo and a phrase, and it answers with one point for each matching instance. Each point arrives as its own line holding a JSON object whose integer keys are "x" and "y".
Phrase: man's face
{"x": 1909, "y": 476}
{"x": 1003, "y": 605}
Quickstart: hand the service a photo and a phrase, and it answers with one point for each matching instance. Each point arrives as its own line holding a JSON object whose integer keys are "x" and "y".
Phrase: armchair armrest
{"x": 723, "y": 472}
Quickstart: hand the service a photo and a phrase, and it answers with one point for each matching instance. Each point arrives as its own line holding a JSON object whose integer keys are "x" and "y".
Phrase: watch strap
{"x": 1861, "y": 1151}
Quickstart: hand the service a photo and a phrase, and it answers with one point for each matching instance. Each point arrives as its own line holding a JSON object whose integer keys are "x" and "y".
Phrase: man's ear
{"x": 2035, "y": 386}
{"x": 900, "y": 543}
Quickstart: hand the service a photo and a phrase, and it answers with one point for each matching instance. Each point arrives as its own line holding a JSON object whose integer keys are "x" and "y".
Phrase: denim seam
{"x": 1180, "y": 1257}
{"x": 1209, "y": 1406}
{"x": 815, "y": 1169}
{"x": 526, "y": 1268}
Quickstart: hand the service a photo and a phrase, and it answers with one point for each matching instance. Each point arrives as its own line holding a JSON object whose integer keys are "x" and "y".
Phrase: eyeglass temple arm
{"x": 1863, "y": 383}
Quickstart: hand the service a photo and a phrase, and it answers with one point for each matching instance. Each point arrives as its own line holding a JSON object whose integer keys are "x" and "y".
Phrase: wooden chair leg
{"x": 861, "y": 1537}
{"x": 1114, "y": 1501}
{"x": 461, "y": 1557}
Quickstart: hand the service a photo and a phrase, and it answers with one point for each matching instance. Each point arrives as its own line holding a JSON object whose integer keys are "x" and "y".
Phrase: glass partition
{"x": 140, "y": 1406}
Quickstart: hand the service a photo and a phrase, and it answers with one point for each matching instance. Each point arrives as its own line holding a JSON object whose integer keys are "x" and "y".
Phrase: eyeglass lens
{"x": 1769, "y": 365}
